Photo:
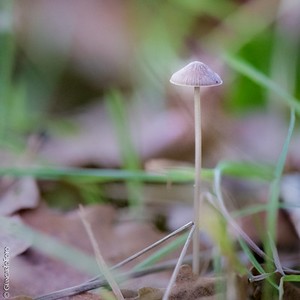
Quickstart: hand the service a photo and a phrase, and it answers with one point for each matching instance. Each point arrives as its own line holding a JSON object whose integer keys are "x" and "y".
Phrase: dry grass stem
{"x": 99, "y": 282}
{"x": 143, "y": 251}
{"x": 99, "y": 258}
{"x": 179, "y": 263}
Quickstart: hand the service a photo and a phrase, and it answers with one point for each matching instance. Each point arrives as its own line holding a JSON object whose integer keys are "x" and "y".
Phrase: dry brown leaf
{"x": 148, "y": 293}
{"x": 163, "y": 134}
{"x": 15, "y": 245}
{"x": 18, "y": 194}
{"x": 268, "y": 145}
{"x": 291, "y": 292}
{"x": 34, "y": 274}
{"x": 290, "y": 193}
{"x": 116, "y": 240}
{"x": 56, "y": 275}
{"x": 189, "y": 286}
{"x": 255, "y": 225}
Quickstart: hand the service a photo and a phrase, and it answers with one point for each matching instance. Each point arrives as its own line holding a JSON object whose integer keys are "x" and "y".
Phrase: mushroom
{"x": 196, "y": 74}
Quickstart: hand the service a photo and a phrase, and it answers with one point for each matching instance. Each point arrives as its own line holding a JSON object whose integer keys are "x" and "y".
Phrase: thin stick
{"x": 99, "y": 281}
{"x": 179, "y": 263}
{"x": 222, "y": 208}
{"x": 84, "y": 287}
{"x": 198, "y": 146}
{"x": 275, "y": 255}
{"x": 138, "y": 254}
{"x": 99, "y": 258}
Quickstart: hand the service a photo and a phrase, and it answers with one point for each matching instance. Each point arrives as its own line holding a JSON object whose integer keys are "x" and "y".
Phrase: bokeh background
{"x": 86, "y": 83}
{"x": 88, "y": 115}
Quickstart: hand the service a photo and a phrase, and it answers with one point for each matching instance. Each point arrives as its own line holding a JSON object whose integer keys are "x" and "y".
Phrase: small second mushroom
{"x": 196, "y": 74}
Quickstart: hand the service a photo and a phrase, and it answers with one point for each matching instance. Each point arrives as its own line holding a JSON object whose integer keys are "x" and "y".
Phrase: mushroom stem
{"x": 196, "y": 74}
{"x": 197, "y": 204}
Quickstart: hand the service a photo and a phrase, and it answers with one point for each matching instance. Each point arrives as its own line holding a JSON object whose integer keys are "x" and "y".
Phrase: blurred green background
{"x": 86, "y": 83}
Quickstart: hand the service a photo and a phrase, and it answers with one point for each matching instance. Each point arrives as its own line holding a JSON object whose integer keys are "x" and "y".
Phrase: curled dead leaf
{"x": 18, "y": 194}
{"x": 15, "y": 245}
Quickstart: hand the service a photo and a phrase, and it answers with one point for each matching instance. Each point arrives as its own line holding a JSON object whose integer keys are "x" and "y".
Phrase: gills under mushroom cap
{"x": 196, "y": 74}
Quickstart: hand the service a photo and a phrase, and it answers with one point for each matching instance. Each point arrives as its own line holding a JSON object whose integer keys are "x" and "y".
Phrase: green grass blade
{"x": 50, "y": 246}
{"x": 255, "y": 263}
{"x": 130, "y": 156}
{"x": 186, "y": 175}
{"x": 261, "y": 79}
{"x": 96, "y": 175}
{"x": 246, "y": 170}
{"x": 158, "y": 255}
{"x": 7, "y": 60}
{"x": 273, "y": 202}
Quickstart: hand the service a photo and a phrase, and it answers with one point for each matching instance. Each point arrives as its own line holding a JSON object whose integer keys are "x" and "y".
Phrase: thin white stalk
{"x": 88, "y": 286}
{"x": 99, "y": 258}
{"x": 222, "y": 208}
{"x": 275, "y": 255}
{"x": 197, "y": 204}
{"x": 138, "y": 254}
{"x": 179, "y": 263}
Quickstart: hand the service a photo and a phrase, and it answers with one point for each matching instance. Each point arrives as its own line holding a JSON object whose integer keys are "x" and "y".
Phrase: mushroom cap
{"x": 196, "y": 74}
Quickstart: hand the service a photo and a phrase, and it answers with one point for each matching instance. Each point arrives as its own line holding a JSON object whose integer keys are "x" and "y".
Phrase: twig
{"x": 99, "y": 281}
{"x": 138, "y": 254}
{"x": 87, "y": 286}
{"x": 99, "y": 258}
{"x": 222, "y": 208}
{"x": 275, "y": 255}
{"x": 179, "y": 263}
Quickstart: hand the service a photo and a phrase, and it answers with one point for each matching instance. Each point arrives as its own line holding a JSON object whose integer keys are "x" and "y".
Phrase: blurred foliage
{"x": 244, "y": 94}
{"x": 42, "y": 82}
{"x": 32, "y": 74}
